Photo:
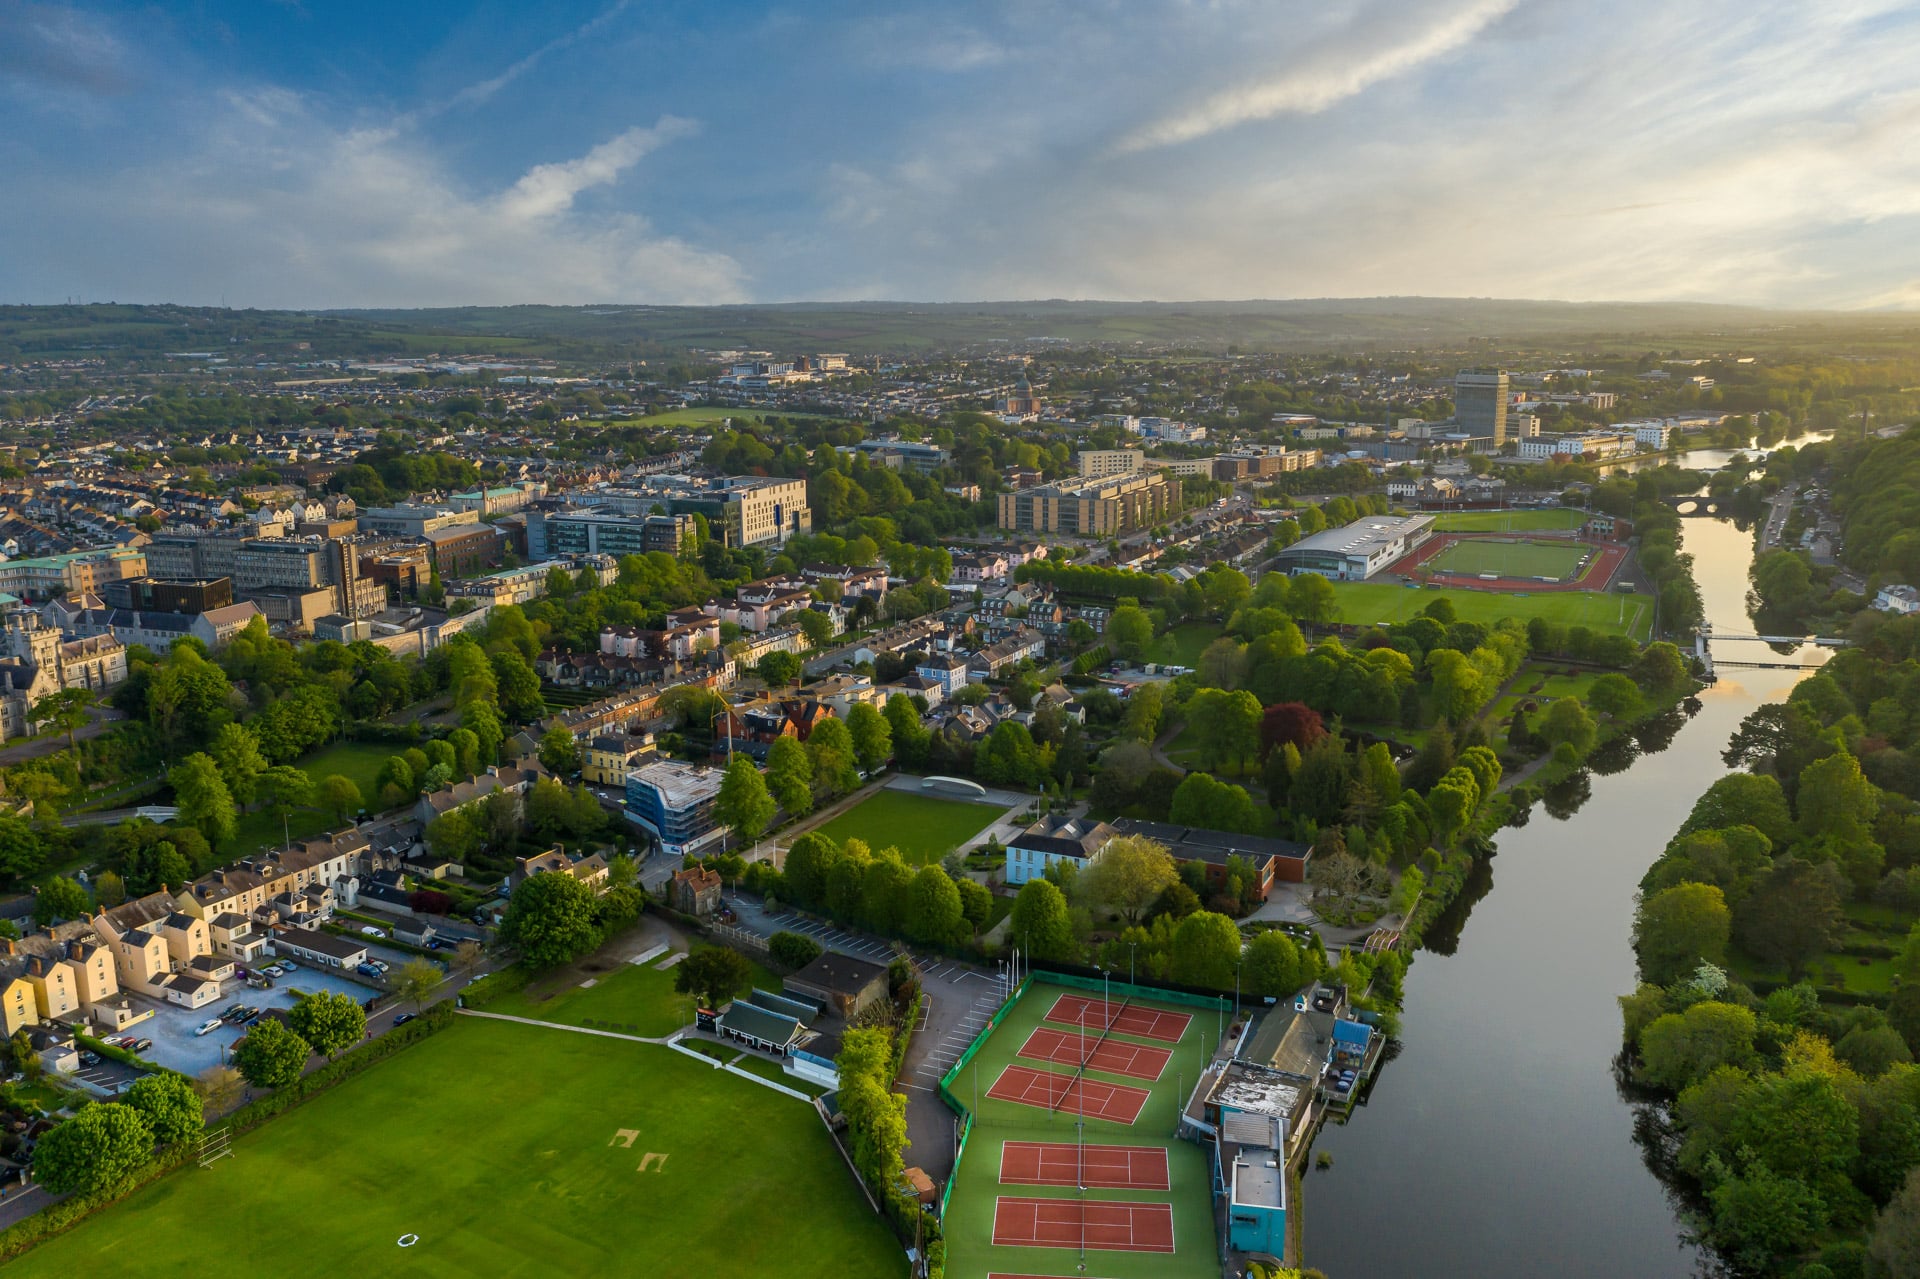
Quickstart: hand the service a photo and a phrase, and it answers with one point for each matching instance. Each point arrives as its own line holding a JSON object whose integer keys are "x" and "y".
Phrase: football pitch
{"x": 1607, "y": 612}
{"x": 506, "y": 1149}
{"x": 924, "y": 828}
{"x": 1015, "y": 1208}
{"x": 1511, "y": 558}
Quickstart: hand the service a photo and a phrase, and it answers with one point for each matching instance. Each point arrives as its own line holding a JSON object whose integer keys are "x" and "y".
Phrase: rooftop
{"x": 1254, "y": 1090}
{"x": 679, "y": 784}
{"x": 1366, "y": 536}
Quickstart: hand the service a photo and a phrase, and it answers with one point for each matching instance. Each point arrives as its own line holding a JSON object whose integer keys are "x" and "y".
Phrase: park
{"x": 508, "y": 1149}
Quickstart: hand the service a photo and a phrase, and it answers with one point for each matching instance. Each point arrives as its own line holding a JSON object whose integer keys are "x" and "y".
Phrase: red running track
{"x": 1607, "y": 559}
{"x": 1063, "y": 1047}
{"x": 1065, "y": 1223}
{"x": 1045, "y": 1090}
{"x": 1128, "y": 1019}
{"x": 1060, "y": 1163}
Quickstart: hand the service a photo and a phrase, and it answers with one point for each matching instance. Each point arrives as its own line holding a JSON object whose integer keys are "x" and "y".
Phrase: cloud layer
{"x": 1754, "y": 152}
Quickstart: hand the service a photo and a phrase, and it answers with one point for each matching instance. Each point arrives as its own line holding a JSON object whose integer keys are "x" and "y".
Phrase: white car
{"x": 210, "y": 1025}
{"x": 368, "y": 930}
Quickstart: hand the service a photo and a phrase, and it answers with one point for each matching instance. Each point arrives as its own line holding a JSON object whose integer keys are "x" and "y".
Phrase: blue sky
{"x": 335, "y": 154}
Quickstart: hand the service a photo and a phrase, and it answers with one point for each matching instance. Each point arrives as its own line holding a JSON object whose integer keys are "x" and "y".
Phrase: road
{"x": 1779, "y": 509}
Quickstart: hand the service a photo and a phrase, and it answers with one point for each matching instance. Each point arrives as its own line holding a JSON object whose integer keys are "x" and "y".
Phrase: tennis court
{"x": 1110, "y": 1056}
{"x": 1108, "y": 1225}
{"x": 1070, "y": 1094}
{"x": 1123, "y": 1018}
{"x": 1062, "y": 1163}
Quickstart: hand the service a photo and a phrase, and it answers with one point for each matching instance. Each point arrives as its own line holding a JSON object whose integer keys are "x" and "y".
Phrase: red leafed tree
{"x": 430, "y": 901}
{"x": 1294, "y": 722}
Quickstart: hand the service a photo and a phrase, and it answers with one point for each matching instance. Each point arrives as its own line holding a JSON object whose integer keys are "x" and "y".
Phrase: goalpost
{"x": 214, "y": 1144}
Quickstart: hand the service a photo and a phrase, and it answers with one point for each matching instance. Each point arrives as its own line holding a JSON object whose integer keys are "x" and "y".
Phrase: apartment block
{"x": 1097, "y": 508}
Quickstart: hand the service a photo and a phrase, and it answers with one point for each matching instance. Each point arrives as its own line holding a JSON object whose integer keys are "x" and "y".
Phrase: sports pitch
{"x": 1606, "y": 612}
{"x": 1555, "y": 517}
{"x": 924, "y": 828}
{"x": 508, "y": 1150}
{"x": 1019, "y": 1150}
{"x": 1510, "y": 558}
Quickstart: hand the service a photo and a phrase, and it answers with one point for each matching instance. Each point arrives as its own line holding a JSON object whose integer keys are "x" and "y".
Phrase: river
{"x": 1497, "y": 1142}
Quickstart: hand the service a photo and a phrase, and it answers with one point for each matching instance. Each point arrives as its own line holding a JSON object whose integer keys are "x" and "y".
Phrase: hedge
{"x": 113, "y": 1053}
{"x": 58, "y": 1218}
{"x": 510, "y": 980}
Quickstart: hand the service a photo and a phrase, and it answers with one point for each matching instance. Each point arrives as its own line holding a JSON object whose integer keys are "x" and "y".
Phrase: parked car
{"x": 88, "y": 1057}
{"x": 141, "y": 1045}
{"x": 210, "y": 1025}
{"x": 233, "y": 1012}
{"x": 122, "y": 1041}
{"x": 403, "y": 1019}
{"x": 366, "y": 970}
{"x": 274, "y": 970}
{"x": 368, "y": 930}
{"x": 289, "y": 965}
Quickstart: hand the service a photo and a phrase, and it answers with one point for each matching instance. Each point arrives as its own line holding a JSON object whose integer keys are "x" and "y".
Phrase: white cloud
{"x": 278, "y": 209}
{"x": 1377, "y": 45}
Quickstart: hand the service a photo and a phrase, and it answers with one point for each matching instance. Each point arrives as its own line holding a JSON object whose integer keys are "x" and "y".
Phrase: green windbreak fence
{"x": 1125, "y": 989}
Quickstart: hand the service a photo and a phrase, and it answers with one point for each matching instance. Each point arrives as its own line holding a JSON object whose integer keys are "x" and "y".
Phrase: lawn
{"x": 1606, "y": 612}
{"x": 1557, "y": 517}
{"x": 638, "y": 999}
{"x": 1183, "y": 645}
{"x": 971, "y": 1252}
{"x": 1511, "y": 558}
{"x": 1551, "y": 685}
{"x": 924, "y": 828}
{"x": 509, "y": 1150}
{"x": 360, "y": 762}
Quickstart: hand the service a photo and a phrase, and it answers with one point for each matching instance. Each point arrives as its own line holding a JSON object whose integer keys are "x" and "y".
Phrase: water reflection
{"x": 1566, "y": 797}
{"x": 1616, "y": 755}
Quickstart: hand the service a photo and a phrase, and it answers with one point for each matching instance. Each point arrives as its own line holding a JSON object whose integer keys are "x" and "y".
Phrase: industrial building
{"x": 1355, "y": 552}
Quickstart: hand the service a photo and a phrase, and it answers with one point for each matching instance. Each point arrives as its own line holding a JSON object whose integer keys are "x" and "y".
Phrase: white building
{"x": 1897, "y": 597}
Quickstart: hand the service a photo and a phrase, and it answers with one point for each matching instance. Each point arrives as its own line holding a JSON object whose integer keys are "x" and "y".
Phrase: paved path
{"x": 671, "y": 1041}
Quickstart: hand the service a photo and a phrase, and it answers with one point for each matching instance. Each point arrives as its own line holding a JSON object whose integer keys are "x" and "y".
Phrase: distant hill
{"x": 867, "y": 328}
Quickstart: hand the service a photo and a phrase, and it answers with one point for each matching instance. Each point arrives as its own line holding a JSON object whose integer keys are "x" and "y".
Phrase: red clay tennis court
{"x": 1066, "y": 1223}
{"x": 1045, "y": 1090}
{"x": 1061, "y": 1163}
{"x": 1128, "y": 1019}
{"x": 1136, "y": 1061}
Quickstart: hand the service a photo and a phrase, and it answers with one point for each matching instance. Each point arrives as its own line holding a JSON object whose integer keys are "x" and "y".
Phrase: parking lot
{"x": 177, "y": 1047}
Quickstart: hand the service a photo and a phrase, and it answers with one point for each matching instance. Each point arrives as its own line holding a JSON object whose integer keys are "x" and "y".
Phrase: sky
{"x": 309, "y": 154}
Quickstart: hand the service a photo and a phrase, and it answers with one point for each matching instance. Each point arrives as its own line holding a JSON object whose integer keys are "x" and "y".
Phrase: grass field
{"x": 1509, "y": 521}
{"x": 636, "y": 998}
{"x": 923, "y": 827}
{"x": 971, "y": 1252}
{"x": 1183, "y": 645}
{"x": 358, "y": 761}
{"x": 503, "y": 1148}
{"x": 1558, "y": 560}
{"x": 1607, "y": 612}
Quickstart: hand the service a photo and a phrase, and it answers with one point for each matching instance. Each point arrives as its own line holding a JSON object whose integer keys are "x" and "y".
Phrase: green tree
{"x": 830, "y": 750}
{"x": 550, "y": 918}
{"x": 339, "y": 796}
{"x": 236, "y": 753}
{"x": 271, "y": 1056}
{"x": 792, "y": 951}
{"x": 61, "y": 898}
{"x": 976, "y": 903}
{"x": 911, "y": 738}
{"x": 454, "y": 836}
{"x": 743, "y": 802}
{"x": 1895, "y": 1244}
{"x": 1679, "y": 1048}
{"x": 1206, "y": 951}
{"x": 1130, "y": 632}
{"x": 22, "y": 852}
{"x": 519, "y": 686}
{"x": 559, "y": 751}
{"x": 1759, "y": 1216}
{"x": 1040, "y": 923}
{"x": 109, "y": 889}
{"x": 1614, "y": 695}
{"x": 778, "y": 669}
{"x": 1835, "y": 800}
{"x": 713, "y": 975}
{"x": 97, "y": 1148}
{"x": 1680, "y": 928}
{"x": 1201, "y": 801}
{"x": 65, "y": 710}
{"x": 1567, "y": 721}
{"x": 1127, "y": 876}
{"x": 1792, "y": 915}
{"x": 202, "y": 796}
{"x": 1274, "y": 966}
{"x": 331, "y": 1022}
{"x": 285, "y": 788}
{"x": 1311, "y": 598}
{"x": 169, "y": 1105}
{"x": 1227, "y": 725}
{"x": 416, "y": 981}
{"x": 935, "y": 916}
{"x": 872, "y": 736}
{"x": 790, "y": 776}
{"x": 1743, "y": 799}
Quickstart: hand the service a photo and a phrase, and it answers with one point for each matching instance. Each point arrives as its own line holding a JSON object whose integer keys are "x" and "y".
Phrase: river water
{"x": 1497, "y": 1143}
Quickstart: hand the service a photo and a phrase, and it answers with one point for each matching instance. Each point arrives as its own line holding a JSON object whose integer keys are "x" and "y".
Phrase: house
{"x": 590, "y": 870}
{"x": 840, "y": 982}
{"x": 1897, "y": 597}
{"x": 155, "y": 946}
{"x": 607, "y": 757}
{"x": 325, "y": 950}
{"x": 947, "y": 670}
{"x": 1281, "y": 860}
{"x": 1054, "y": 839}
{"x": 696, "y": 891}
{"x": 56, "y": 1047}
{"x": 758, "y": 1027}
{"x": 990, "y": 661}
{"x": 512, "y": 780}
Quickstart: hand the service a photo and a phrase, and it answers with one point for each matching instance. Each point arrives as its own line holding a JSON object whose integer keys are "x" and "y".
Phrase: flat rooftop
{"x": 1366, "y": 536}
{"x": 679, "y": 784}
{"x": 1259, "y": 1182}
{"x": 1256, "y": 1091}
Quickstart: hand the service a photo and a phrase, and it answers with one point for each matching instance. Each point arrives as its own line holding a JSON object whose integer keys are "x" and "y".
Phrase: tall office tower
{"x": 1480, "y": 404}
